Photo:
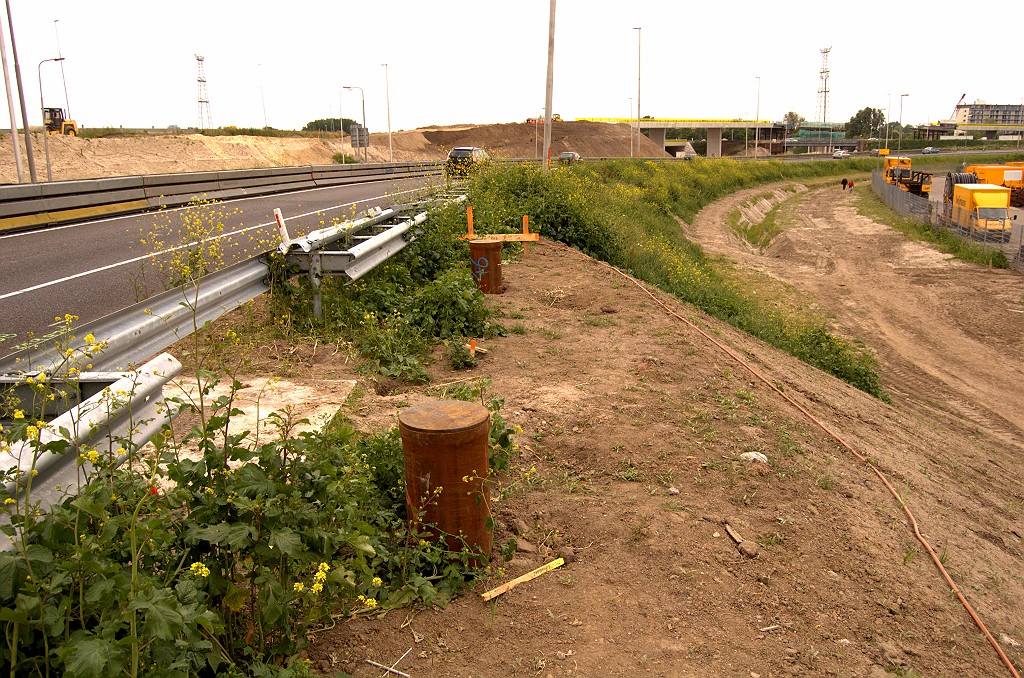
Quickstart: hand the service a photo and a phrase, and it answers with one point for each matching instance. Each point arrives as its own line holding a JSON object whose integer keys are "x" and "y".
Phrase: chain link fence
{"x": 927, "y": 211}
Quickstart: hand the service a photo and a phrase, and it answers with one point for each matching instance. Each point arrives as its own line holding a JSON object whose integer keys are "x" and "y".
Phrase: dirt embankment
{"x": 637, "y": 426}
{"x": 78, "y": 158}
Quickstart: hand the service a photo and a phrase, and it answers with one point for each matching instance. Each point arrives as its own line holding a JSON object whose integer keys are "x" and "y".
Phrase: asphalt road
{"x": 93, "y": 268}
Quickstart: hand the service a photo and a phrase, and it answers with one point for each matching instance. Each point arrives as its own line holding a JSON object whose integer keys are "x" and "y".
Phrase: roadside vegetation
{"x": 626, "y": 213}
{"x": 219, "y": 551}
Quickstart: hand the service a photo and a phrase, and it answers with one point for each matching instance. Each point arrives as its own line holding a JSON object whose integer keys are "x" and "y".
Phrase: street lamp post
{"x": 638, "y": 34}
{"x": 21, "y": 97}
{"x": 387, "y": 94}
{"x": 899, "y": 144}
{"x": 15, "y": 141}
{"x": 67, "y": 102}
{"x": 42, "y": 110}
{"x": 363, "y": 95}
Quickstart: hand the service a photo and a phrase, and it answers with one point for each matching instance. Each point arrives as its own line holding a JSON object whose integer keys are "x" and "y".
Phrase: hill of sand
{"x": 131, "y": 155}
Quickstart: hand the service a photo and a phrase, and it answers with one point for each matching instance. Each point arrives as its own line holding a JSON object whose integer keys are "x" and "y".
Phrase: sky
{"x": 133, "y": 64}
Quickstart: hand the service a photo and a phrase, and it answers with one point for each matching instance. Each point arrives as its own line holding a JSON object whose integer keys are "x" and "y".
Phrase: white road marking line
{"x": 179, "y": 247}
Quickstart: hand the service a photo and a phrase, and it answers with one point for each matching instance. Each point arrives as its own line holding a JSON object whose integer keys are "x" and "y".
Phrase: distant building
{"x": 981, "y": 113}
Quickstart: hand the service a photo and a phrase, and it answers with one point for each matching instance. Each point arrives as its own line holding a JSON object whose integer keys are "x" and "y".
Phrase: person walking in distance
{"x": 851, "y": 184}
{"x": 844, "y": 182}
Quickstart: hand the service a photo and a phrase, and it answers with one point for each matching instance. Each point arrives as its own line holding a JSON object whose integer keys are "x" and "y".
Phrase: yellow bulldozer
{"x": 56, "y": 123}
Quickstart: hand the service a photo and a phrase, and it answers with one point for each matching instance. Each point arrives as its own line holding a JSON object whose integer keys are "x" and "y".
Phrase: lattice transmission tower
{"x": 823, "y": 87}
{"x": 204, "y": 99}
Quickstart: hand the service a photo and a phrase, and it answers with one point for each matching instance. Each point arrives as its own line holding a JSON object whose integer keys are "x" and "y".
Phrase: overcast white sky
{"x": 484, "y": 61}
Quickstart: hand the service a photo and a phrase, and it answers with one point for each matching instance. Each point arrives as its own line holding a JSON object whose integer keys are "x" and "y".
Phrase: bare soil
{"x": 132, "y": 155}
{"x": 636, "y": 422}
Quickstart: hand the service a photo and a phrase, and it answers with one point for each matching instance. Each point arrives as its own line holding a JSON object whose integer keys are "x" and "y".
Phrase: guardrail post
{"x": 315, "y": 268}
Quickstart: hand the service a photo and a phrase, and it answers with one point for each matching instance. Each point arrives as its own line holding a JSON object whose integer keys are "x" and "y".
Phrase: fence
{"x": 926, "y": 211}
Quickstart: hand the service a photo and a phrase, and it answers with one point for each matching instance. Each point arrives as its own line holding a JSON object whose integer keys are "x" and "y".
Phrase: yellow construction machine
{"x": 56, "y": 123}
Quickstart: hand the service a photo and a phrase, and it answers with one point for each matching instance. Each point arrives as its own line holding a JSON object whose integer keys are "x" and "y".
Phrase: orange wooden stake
{"x": 469, "y": 218}
{"x": 526, "y": 231}
{"x": 472, "y": 347}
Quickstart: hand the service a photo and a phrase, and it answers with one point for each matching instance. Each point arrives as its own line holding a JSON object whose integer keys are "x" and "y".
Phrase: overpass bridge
{"x": 658, "y": 126}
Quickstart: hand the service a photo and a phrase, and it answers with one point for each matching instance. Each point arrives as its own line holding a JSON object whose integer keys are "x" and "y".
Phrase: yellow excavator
{"x": 55, "y": 122}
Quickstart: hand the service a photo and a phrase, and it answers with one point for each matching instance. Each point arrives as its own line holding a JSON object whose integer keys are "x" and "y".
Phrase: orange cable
{"x": 906, "y": 509}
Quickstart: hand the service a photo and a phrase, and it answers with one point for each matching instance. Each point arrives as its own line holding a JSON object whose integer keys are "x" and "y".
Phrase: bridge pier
{"x": 714, "y": 142}
{"x": 658, "y": 136}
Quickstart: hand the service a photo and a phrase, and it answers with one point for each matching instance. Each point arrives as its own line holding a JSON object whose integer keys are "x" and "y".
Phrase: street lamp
{"x": 67, "y": 102}
{"x": 899, "y": 144}
{"x": 387, "y": 93}
{"x": 363, "y": 95}
{"x": 42, "y": 110}
{"x": 638, "y": 34}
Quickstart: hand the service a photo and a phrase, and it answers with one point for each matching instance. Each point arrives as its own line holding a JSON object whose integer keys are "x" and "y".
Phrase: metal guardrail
{"x": 130, "y": 408}
{"x": 127, "y": 408}
{"x": 135, "y": 333}
{"x": 43, "y": 204}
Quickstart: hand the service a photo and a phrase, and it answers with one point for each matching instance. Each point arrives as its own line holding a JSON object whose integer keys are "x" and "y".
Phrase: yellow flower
{"x": 10, "y": 501}
{"x": 317, "y": 587}
{"x": 19, "y": 414}
{"x": 323, "y": 567}
{"x": 93, "y": 456}
{"x": 370, "y": 603}
{"x": 89, "y": 338}
{"x": 377, "y": 581}
{"x": 32, "y": 432}
{"x": 298, "y": 586}
{"x": 199, "y": 570}
{"x": 29, "y": 380}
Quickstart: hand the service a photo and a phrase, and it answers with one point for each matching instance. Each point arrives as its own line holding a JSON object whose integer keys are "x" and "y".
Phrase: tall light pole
{"x": 67, "y": 102}
{"x": 21, "y": 96}
{"x": 15, "y": 141}
{"x": 757, "y": 122}
{"x": 42, "y": 111}
{"x": 387, "y": 93}
{"x": 363, "y": 95}
{"x": 899, "y": 144}
{"x": 638, "y": 33}
{"x": 549, "y": 90}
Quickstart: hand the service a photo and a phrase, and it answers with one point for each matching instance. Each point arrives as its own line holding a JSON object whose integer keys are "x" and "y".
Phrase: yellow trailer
{"x": 982, "y": 211}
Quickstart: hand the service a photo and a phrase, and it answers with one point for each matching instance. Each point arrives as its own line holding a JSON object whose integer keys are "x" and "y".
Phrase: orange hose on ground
{"x": 906, "y": 509}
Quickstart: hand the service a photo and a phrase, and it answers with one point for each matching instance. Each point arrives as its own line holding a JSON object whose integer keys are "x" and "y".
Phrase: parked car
{"x": 928, "y": 150}
{"x": 568, "y": 157}
{"x": 463, "y": 159}
{"x": 841, "y": 153}
{"x": 874, "y": 151}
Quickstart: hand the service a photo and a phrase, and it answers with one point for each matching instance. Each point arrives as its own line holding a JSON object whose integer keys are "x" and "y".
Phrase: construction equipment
{"x": 1010, "y": 175}
{"x": 56, "y": 123}
{"x": 979, "y": 210}
{"x": 899, "y": 173}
